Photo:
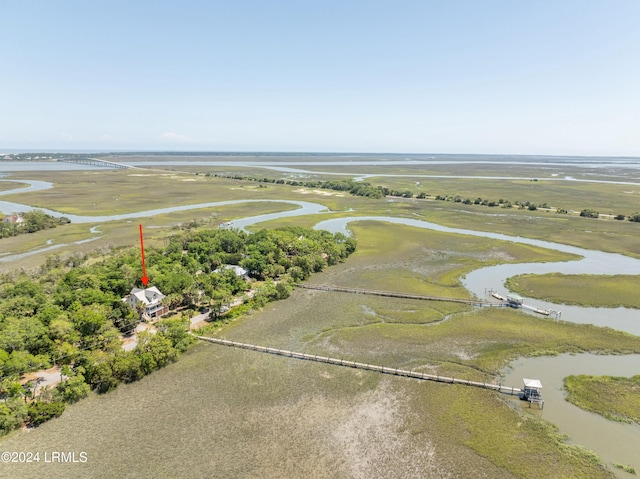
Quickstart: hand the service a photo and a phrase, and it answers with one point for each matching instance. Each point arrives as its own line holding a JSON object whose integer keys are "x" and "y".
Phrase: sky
{"x": 551, "y": 77}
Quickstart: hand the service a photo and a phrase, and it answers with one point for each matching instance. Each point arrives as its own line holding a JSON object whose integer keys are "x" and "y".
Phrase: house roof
{"x": 147, "y": 296}
{"x": 532, "y": 383}
{"x": 238, "y": 270}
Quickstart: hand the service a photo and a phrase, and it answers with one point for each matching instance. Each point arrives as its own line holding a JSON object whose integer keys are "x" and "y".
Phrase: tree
{"x": 231, "y": 241}
{"x": 13, "y": 413}
{"x": 220, "y": 299}
{"x": 177, "y": 331}
{"x": 73, "y": 389}
{"x": 284, "y": 288}
{"x": 64, "y": 352}
{"x": 39, "y": 412}
{"x": 100, "y": 376}
{"x": 10, "y": 387}
{"x": 123, "y": 317}
{"x": 255, "y": 265}
{"x": 88, "y": 320}
{"x": 588, "y": 213}
{"x": 156, "y": 345}
{"x": 24, "y": 334}
{"x": 127, "y": 367}
{"x": 19, "y": 362}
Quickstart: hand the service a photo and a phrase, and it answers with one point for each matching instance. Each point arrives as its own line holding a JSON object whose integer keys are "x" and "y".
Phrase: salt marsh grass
{"x": 223, "y": 412}
{"x": 582, "y": 289}
{"x": 616, "y": 398}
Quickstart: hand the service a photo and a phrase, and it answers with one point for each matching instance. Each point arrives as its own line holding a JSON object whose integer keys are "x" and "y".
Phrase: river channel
{"x": 613, "y": 442}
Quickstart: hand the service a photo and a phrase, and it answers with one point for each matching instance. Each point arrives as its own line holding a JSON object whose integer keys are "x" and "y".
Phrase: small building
{"x": 238, "y": 270}
{"x": 531, "y": 391}
{"x": 514, "y": 300}
{"x": 15, "y": 219}
{"x": 152, "y": 300}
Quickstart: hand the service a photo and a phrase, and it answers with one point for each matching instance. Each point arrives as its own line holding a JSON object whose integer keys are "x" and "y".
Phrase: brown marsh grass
{"x": 222, "y": 412}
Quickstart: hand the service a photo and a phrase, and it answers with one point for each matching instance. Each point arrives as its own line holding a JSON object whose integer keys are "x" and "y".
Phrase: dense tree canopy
{"x": 72, "y": 313}
{"x": 32, "y": 221}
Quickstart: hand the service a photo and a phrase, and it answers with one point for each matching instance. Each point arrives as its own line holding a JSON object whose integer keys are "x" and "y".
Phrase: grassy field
{"x": 584, "y": 290}
{"x": 125, "y": 191}
{"x": 245, "y": 414}
{"x": 478, "y": 169}
{"x": 7, "y": 185}
{"x": 616, "y": 398}
{"x": 570, "y": 195}
{"x": 549, "y": 185}
{"x": 221, "y": 412}
{"x": 122, "y": 233}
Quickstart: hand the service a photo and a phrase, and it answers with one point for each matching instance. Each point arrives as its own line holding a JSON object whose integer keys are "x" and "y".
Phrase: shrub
{"x": 40, "y": 412}
{"x": 588, "y": 213}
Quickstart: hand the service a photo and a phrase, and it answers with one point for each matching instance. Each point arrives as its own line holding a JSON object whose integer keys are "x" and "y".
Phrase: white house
{"x": 17, "y": 219}
{"x": 151, "y": 298}
{"x": 238, "y": 270}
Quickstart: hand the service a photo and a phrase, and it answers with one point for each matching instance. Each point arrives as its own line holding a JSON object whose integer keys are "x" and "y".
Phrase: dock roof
{"x": 532, "y": 383}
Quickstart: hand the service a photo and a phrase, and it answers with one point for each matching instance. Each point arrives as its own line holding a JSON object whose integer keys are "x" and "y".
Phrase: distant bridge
{"x": 96, "y": 162}
{"x": 368, "y": 367}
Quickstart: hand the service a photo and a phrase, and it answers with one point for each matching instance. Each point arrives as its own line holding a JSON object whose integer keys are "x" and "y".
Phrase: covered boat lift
{"x": 531, "y": 392}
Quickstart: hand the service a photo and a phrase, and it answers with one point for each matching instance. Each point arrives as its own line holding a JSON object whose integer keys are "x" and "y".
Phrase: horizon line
{"x": 12, "y": 151}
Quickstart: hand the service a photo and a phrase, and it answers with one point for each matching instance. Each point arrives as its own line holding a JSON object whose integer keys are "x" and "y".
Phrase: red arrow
{"x": 144, "y": 278}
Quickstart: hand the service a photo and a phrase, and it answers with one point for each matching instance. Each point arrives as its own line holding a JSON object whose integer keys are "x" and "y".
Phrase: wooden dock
{"x": 516, "y": 301}
{"x": 368, "y": 367}
{"x": 391, "y": 294}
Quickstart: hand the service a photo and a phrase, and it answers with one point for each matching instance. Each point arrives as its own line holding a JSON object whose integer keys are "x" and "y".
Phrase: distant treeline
{"x": 32, "y": 221}
{"x": 358, "y": 188}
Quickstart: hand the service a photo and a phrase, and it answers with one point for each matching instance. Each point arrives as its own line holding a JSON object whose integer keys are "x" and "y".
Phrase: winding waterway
{"x": 305, "y": 208}
{"x": 478, "y": 281}
{"x": 593, "y": 262}
{"x": 613, "y": 442}
{"x": 590, "y": 430}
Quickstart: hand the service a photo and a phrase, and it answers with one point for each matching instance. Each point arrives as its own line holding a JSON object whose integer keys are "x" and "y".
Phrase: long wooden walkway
{"x": 96, "y": 162}
{"x": 368, "y": 367}
{"x": 391, "y": 294}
